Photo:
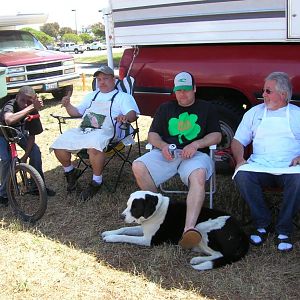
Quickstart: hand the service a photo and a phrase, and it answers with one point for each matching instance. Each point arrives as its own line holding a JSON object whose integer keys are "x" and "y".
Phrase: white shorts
{"x": 161, "y": 169}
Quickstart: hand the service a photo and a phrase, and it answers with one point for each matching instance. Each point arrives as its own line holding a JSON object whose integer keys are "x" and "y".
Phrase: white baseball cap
{"x": 183, "y": 81}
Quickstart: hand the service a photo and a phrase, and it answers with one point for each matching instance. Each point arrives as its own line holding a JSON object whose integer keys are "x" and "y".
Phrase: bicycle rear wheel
{"x": 28, "y": 197}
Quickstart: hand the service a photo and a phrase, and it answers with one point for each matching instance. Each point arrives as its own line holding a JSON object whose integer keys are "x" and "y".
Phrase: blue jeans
{"x": 251, "y": 184}
{"x": 35, "y": 160}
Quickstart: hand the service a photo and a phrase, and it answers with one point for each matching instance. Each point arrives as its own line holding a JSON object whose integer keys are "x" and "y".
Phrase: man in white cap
{"x": 14, "y": 114}
{"x": 192, "y": 125}
{"x": 100, "y": 110}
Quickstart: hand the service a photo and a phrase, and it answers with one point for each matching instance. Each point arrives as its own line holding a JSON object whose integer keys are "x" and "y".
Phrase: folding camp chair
{"x": 211, "y": 183}
{"x": 128, "y": 135}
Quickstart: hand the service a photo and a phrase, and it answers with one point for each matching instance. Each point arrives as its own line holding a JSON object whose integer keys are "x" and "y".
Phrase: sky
{"x": 60, "y": 11}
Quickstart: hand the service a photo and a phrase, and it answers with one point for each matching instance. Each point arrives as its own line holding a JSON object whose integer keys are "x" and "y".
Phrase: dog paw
{"x": 207, "y": 265}
{"x": 197, "y": 260}
{"x": 106, "y": 233}
{"x": 109, "y": 238}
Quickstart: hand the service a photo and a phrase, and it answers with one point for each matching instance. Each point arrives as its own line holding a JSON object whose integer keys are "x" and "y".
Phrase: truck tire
{"x": 99, "y": 48}
{"x": 59, "y": 94}
{"x": 230, "y": 117}
{"x": 76, "y": 51}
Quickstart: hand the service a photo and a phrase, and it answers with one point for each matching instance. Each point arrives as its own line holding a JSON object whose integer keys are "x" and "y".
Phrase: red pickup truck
{"x": 231, "y": 76}
{"x": 28, "y": 62}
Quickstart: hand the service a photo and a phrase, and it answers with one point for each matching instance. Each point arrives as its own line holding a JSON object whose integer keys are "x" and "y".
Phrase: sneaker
{"x": 4, "y": 201}
{"x": 72, "y": 177}
{"x": 90, "y": 191}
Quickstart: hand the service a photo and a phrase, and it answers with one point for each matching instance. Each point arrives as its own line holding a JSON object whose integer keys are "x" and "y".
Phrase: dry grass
{"x": 63, "y": 257}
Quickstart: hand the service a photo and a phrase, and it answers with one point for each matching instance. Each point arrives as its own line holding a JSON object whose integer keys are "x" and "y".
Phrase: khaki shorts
{"x": 161, "y": 169}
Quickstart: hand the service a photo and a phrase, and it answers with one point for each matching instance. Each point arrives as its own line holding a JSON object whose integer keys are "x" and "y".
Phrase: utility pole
{"x": 75, "y": 20}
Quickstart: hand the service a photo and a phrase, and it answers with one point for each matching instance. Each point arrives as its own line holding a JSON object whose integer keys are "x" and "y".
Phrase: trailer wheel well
{"x": 233, "y": 97}
{"x": 230, "y": 105}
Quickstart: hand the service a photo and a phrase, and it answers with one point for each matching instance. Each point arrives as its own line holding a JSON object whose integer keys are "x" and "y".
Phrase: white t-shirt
{"x": 247, "y": 129}
{"x": 122, "y": 104}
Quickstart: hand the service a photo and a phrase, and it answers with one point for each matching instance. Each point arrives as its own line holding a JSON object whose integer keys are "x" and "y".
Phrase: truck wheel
{"x": 60, "y": 93}
{"x": 76, "y": 51}
{"x": 230, "y": 117}
{"x": 99, "y": 48}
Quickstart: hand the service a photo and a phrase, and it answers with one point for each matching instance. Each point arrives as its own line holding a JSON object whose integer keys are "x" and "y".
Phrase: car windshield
{"x": 12, "y": 40}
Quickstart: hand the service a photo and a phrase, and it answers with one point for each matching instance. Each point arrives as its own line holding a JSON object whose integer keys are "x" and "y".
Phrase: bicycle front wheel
{"x": 26, "y": 191}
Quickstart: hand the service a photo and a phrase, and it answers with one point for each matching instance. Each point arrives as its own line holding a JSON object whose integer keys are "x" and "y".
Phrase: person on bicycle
{"x": 14, "y": 114}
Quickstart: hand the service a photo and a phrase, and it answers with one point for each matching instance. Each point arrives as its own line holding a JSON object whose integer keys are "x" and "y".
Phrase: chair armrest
{"x": 62, "y": 120}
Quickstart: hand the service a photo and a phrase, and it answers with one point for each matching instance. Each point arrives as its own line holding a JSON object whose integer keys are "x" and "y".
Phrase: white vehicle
{"x": 96, "y": 46}
{"x": 72, "y": 47}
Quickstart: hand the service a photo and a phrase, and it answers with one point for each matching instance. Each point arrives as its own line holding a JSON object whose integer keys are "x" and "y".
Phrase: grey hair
{"x": 283, "y": 83}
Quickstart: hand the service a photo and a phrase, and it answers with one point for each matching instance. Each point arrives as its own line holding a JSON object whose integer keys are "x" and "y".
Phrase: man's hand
{"x": 121, "y": 119}
{"x": 37, "y": 102}
{"x": 295, "y": 161}
{"x": 189, "y": 151}
{"x": 165, "y": 152}
{"x": 66, "y": 100}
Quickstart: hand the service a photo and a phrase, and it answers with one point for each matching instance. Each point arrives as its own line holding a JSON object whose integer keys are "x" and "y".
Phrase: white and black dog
{"x": 162, "y": 221}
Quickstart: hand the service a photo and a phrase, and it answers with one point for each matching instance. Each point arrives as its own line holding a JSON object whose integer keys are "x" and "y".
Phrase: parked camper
{"x": 229, "y": 46}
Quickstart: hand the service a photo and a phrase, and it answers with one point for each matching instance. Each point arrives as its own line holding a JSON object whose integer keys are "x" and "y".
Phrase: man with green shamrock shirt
{"x": 192, "y": 125}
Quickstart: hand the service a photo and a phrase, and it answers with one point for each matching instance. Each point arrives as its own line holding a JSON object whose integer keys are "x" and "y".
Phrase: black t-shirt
{"x": 34, "y": 127}
{"x": 182, "y": 125}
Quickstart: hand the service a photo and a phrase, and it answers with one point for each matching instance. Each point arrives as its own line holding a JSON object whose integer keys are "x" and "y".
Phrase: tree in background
{"x": 65, "y": 30}
{"x": 44, "y": 38}
{"x": 86, "y": 38}
{"x": 98, "y": 30}
{"x": 71, "y": 37}
{"x": 51, "y": 29}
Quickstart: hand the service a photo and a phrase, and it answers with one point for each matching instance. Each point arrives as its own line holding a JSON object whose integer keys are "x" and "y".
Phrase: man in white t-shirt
{"x": 273, "y": 128}
{"x": 99, "y": 111}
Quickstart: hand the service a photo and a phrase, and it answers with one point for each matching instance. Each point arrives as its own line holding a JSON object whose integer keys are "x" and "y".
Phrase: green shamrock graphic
{"x": 185, "y": 126}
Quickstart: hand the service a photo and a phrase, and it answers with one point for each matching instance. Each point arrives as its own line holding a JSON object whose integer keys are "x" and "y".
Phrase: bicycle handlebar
{"x": 14, "y": 135}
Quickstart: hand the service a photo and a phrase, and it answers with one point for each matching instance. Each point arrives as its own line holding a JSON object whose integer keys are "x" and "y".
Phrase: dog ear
{"x": 150, "y": 205}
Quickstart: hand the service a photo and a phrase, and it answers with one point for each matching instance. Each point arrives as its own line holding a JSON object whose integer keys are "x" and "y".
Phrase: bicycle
{"x": 26, "y": 189}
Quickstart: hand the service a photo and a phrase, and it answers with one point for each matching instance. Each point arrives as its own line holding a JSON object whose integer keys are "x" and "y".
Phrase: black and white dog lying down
{"x": 162, "y": 221}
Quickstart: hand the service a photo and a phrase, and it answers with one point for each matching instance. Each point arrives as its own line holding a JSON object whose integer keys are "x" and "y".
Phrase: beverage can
{"x": 172, "y": 149}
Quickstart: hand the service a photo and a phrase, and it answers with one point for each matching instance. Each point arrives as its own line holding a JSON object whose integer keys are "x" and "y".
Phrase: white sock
{"x": 97, "y": 179}
{"x": 68, "y": 169}
{"x": 256, "y": 238}
{"x": 284, "y": 246}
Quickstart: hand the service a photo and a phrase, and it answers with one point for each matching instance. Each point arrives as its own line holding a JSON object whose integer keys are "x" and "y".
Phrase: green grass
{"x": 99, "y": 59}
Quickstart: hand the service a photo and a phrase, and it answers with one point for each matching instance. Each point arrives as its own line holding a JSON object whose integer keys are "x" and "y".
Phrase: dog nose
{"x": 122, "y": 216}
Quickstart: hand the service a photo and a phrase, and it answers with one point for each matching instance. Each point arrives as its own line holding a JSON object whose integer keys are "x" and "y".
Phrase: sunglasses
{"x": 267, "y": 91}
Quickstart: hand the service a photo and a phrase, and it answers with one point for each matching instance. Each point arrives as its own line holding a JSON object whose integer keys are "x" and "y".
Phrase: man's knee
{"x": 293, "y": 180}
{"x": 198, "y": 177}
{"x": 138, "y": 168}
{"x": 94, "y": 152}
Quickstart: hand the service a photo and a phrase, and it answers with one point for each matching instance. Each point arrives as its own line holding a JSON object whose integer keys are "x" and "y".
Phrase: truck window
{"x": 14, "y": 40}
